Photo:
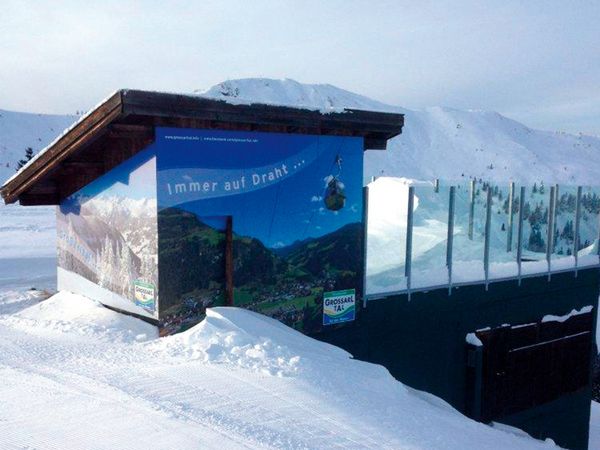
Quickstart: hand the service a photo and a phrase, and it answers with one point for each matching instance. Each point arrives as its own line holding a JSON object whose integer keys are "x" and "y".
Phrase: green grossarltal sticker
{"x": 145, "y": 295}
{"x": 339, "y": 306}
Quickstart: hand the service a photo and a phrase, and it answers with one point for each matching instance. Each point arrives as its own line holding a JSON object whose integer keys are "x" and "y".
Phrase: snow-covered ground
{"x": 77, "y": 375}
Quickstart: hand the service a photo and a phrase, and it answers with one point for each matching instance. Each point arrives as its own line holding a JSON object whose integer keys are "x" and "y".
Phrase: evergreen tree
{"x": 536, "y": 241}
{"x": 28, "y": 156}
{"x": 126, "y": 271}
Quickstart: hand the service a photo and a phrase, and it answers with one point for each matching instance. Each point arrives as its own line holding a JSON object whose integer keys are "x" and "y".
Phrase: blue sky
{"x": 134, "y": 178}
{"x": 535, "y": 61}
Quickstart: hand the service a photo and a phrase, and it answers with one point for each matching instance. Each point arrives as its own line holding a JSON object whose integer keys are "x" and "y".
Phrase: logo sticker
{"x": 144, "y": 295}
{"x": 339, "y": 306}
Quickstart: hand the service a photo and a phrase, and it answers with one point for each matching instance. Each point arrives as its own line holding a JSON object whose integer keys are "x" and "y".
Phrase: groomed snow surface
{"x": 77, "y": 375}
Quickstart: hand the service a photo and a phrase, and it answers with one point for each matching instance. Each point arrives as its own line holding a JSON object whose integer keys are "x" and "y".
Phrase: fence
{"x": 433, "y": 235}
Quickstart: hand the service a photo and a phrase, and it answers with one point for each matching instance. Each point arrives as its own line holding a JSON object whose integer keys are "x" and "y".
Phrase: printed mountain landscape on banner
{"x": 107, "y": 233}
{"x": 295, "y": 203}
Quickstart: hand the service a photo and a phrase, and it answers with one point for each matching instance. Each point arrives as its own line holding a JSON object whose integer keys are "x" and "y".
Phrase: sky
{"x": 535, "y": 61}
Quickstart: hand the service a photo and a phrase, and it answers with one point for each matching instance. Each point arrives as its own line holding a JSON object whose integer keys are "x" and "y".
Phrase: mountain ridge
{"x": 437, "y": 142}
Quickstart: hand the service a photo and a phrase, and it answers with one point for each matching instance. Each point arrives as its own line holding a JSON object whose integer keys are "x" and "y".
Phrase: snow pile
{"x": 574, "y": 312}
{"x": 472, "y": 339}
{"x": 69, "y": 313}
{"x": 236, "y": 337}
{"x": 238, "y": 380}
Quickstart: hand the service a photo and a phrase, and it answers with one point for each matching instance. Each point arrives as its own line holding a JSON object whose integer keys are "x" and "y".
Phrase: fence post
{"x": 520, "y": 232}
{"x": 488, "y": 226}
{"x": 365, "y": 240}
{"x": 577, "y": 220}
{"x": 229, "y": 261}
{"x": 509, "y": 231}
{"x": 550, "y": 233}
{"x": 471, "y": 207}
{"x": 450, "y": 239}
{"x": 598, "y": 243}
{"x": 409, "y": 232}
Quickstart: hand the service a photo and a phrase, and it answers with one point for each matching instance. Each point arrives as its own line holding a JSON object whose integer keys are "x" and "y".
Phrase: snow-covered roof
{"x": 132, "y": 114}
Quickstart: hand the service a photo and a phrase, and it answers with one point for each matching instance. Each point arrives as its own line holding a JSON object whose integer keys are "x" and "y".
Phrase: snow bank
{"x": 70, "y": 313}
{"x": 241, "y": 338}
{"x": 563, "y": 318}
{"x": 471, "y": 338}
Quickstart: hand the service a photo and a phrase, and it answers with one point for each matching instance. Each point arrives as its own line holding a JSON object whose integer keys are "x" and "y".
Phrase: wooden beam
{"x": 375, "y": 143}
{"x": 38, "y": 199}
{"x": 130, "y": 131}
{"x": 83, "y": 165}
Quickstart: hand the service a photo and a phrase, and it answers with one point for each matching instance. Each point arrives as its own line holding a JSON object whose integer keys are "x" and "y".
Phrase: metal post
{"x": 556, "y": 196}
{"x": 550, "y": 233}
{"x": 409, "y": 232}
{"x": 598, "y": 243}
{"x": 509, "y": 230}
{"x": 229, "y": 261}
{"x": 365, "y": 241}
{"x": 450, "y": 239}
{"x": 488, "y": 226}
{"x": 471, "y": 207}
{"x": 577, "y": 220}
{"x": 520, "y": 231}
{"x": 436, "y": 185}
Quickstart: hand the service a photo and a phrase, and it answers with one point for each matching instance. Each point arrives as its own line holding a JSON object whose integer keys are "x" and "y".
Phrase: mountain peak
{"x": 292, "y": 93}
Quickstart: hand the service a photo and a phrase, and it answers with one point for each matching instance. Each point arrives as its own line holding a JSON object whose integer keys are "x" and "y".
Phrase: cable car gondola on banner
{"x": 334, "y": 198}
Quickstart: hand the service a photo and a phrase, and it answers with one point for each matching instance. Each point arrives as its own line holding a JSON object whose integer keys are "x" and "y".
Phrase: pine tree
{"x": 536, "y": 241}
{"x": 126, "y": 271}
{"x": 28, "y": 156}
{"x": 148, "y": 269}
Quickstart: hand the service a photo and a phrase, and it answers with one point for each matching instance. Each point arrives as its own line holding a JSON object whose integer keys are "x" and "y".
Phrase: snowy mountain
{"x": 437, "y": 142}
{"x": 20, "y": 130}
{"x": 440, "y": 142}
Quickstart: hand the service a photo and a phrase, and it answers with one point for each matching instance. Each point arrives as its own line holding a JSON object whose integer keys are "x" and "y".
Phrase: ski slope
{"x": 77, "y": 375}
{"x": 19, "y": 130}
